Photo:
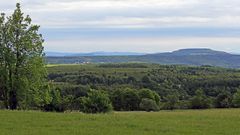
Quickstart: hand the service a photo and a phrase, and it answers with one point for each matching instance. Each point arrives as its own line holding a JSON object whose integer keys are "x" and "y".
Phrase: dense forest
{"x": 149, "y": 87}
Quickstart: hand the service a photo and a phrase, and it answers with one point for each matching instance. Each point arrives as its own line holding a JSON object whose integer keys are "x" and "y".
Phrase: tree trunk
{"x": 13, "y": 100}
{"x": 12, "y": 94}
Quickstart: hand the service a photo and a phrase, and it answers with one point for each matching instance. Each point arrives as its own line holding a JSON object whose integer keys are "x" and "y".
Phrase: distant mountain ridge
{"x": 63, "y": 54}
{"x": 192, "y": 56}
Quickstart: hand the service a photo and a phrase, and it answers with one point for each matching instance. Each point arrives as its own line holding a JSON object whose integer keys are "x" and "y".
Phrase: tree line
{"x": 129, "y": 99}
{"x": 178, "y": 87}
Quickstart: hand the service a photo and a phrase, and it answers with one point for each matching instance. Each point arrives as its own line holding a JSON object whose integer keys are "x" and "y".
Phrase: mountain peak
{"x": 198, "y": 51}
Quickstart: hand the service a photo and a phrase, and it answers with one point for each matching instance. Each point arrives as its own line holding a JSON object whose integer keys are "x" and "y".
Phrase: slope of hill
{"x": 195, "y": 57}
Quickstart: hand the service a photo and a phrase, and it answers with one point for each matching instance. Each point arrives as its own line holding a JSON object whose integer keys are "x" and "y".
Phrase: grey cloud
{"x": 135, "y": 14}
{"x": 85, "y": 13}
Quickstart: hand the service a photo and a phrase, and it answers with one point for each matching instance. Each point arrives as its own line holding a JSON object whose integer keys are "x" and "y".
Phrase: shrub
{"x": 96, "y": 102}
{"x": 200, "y": 100}
{"x": 236, "y": 99}
{"x": 184, "y": 104}
{"x": 223, "y": 100}
{"x": 148, "y": 105}
{"x": 147, "y": 93}
{"x": 126, "y": 99}
{"x": 2, "y": 105}
{"x": 172, "y": 102}
{"x": 56, "y": 102}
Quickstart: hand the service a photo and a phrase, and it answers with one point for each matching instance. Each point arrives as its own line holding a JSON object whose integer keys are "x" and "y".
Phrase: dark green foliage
{"x": 22, "y": 70}
{"x": 124, "y": 65}
{"x": 131, "y": 99}
{"x": 171, "y": 103}
{"x": 184, "y": 104}
{"x": 236, "y": 99}
{"x": 200, "y": 100}
{"x": 223, "y": 100}
{"x": 128, "y": 85}
{"x": 148, "y": 105}
{"x": 96, "y": 102}
{"x": 56, "y": 103}
{"x": 125, "y": 100}
{"x": 146, "y": 93}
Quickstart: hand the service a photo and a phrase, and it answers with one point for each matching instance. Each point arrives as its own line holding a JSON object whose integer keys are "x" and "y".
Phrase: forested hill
{"x": 195, "y": 57}
{"x": 179, "y": 87}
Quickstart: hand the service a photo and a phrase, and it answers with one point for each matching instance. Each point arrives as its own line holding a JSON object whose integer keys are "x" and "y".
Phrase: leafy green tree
{"x": 68, "y": 102}
{"x": 236, "y": 99}
{"x": 156, "y": 97}
{"x": 56, "y": 102}
{"x": 147, "y": 93}
{"x": 96, "y": 102}
{"x": 3, "y": 66}
{"x": 117, "y": 98}
{"x": 223, "y": 100}
{"x": 172, "y": 102}
{"x": 21, "y": 61}
{"x": 126, "y": 100}
{"x": 200, "y": 100}
{"x": 131, "y": 99}
{"x": 148, "y": 105}
{"x": 146, "y": 79}
{"x": 184, "y": 104}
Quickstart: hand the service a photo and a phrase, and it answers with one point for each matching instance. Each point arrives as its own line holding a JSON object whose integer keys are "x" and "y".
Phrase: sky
{"x": 148, "y": 26}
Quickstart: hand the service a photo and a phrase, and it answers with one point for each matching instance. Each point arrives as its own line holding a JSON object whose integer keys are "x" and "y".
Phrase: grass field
{"x": 189, "y": 122}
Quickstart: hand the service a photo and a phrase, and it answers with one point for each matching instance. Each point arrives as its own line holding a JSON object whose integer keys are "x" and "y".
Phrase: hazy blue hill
{"x": 196, "y": 57}
{"x": 193, "y": 51}
{"x": 57, "y": 54}
{"x": 63, "y": 54}
{"x": 199, "y": 52}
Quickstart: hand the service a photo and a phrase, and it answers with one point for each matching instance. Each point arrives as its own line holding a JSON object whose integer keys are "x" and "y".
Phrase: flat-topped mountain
{"x": 192, "y": 52}
{"x": 199, "y": 52}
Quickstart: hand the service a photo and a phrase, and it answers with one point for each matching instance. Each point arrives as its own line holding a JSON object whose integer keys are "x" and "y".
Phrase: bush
{"x": 2, "y": 105}
{"x": 223, "y": 100}
{"x": 200, "y": 103}
{"x": 200, "y": 100}
{"x": 147, "y": 93}
{"x": 184, "y": 104}
{"x": 236, "y": 99}
{"x": 148, "y": 105}
{"x": 96, "y": 102}
{"x": 126, "y": 100}
{"x": 172, "y": 102}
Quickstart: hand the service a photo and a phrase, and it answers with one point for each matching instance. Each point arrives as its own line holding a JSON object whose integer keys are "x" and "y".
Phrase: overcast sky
{"x": 134, "y": 25}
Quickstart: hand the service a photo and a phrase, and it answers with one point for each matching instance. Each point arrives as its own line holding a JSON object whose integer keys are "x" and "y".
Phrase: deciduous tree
{"x": 23, "y": 75}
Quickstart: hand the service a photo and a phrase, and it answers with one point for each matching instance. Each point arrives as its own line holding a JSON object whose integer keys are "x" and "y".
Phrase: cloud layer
{"x": 81, "y": 20}
{"x": 130, "y": 13}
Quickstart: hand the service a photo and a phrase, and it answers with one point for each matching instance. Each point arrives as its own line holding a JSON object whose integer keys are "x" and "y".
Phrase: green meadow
{"x": 179, "y": 122}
